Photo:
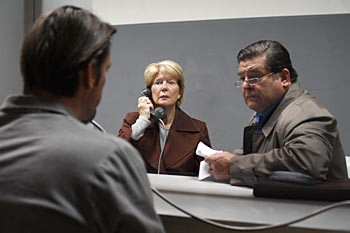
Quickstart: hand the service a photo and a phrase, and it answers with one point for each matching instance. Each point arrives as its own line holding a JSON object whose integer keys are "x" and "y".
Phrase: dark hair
{"x": 277, "y": 56}
{"x": 58, "y": 45}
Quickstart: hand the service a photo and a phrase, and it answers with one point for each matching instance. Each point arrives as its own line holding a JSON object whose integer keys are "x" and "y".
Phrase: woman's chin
{"x": 165, "y": 104}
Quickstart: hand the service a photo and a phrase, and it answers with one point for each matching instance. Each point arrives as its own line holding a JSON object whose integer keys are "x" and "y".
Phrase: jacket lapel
{"x": 182, "y": 139}
{"x": 294, "y": 91}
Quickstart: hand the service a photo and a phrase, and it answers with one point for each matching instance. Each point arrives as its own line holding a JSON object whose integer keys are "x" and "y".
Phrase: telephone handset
{"x": 157, "y": 113}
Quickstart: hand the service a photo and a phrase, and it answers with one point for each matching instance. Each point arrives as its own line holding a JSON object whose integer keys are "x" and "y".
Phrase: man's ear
{"x": 87, "y": 77}
{"x": 285, "y": 78}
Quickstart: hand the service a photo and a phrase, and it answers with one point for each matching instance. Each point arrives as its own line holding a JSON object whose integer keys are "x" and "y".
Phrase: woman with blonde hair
{"x": 167, "y": 145}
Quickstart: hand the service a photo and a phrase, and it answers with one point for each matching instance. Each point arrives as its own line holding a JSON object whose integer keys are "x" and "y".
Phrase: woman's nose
{"x": 164, "y": 85}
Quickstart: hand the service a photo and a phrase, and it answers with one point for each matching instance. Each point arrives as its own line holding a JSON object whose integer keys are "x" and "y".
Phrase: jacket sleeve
{"x": 128, "y": 121}
{"x": 305, "y": 146}
{"x": 121, "y": 193}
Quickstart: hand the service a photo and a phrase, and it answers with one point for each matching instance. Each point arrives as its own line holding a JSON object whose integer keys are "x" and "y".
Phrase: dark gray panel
{"x": 206, "y": 50}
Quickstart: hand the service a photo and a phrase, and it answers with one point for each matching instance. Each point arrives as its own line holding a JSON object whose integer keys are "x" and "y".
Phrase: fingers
{"x": 219, "y": 165}
{"x": 211, "y": 158}
{"x": 144, "y": 106}
{"x": 143, "y": 100}
{"x": 211, "y": 172}
{"x": 214, "y": 172}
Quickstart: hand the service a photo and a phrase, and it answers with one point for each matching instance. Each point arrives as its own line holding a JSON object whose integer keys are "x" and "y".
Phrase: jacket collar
{"x": 183, "y": 122}
{"x": 294, "y": 91}
{"x": 33, "y": 104}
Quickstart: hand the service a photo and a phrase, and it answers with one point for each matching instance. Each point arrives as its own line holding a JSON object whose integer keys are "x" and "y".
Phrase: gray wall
{"x": 15, "y": 17}
{"x": 206, "y": 50}
{"x": 12, "y": 23}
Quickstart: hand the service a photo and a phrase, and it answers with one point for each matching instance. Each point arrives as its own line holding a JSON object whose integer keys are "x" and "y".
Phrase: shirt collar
{"x": 261, "y": 118}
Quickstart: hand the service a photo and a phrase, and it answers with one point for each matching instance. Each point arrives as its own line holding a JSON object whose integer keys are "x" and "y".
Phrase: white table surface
{"x": 221, "y": 201}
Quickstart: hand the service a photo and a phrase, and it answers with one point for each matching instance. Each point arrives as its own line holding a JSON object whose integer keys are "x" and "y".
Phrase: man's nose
{"x": 245, "y": 84}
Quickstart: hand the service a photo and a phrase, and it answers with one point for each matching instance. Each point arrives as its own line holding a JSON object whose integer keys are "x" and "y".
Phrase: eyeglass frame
{"x": 255, "y": 80}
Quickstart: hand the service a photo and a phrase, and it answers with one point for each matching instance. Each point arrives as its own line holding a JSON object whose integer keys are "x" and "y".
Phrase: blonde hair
{"x": 165, "y": 67}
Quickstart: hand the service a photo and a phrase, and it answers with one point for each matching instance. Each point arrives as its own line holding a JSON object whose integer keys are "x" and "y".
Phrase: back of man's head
{"x": 58, "y": 45}
{"x": 277, "y": 56}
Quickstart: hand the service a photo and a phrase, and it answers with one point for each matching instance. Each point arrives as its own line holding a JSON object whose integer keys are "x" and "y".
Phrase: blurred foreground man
{"x": 56, "y": 174}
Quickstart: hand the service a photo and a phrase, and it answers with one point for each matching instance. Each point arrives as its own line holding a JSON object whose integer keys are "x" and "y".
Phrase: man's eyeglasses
{"x": 251, "y": 81}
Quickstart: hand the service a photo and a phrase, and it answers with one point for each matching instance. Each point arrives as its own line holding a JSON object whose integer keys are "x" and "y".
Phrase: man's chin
{"x": 252, "y": 106}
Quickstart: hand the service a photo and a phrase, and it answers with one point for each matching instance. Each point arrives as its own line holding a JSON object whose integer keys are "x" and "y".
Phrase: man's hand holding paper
{"x": 219, "y": 165}
{"x": 204, "y": 151}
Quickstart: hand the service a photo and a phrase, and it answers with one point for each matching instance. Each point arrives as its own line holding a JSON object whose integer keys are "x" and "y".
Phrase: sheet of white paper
{"x": 203, "y": 170}
{"x": 204, "y": 150}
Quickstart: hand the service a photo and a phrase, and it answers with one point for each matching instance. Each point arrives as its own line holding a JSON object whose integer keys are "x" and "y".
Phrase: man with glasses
{"x": 290, "y": 129}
